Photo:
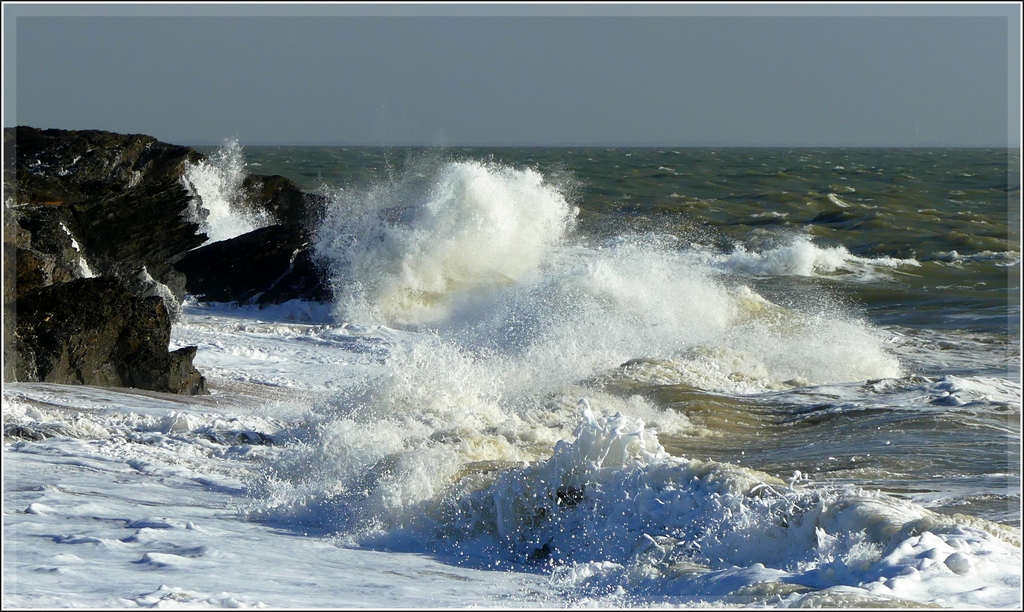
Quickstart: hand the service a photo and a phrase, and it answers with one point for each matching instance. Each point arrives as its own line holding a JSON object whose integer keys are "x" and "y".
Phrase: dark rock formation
{"x": 46, "y": 252}
{"x": 283, "y": 201}
{"x": 306, "y": 279}
{"x": 109, "y": 216}
{"x": 269, "y": 265}
{"x": 123, "y": 199}
{"x": 87, "y": 203}
{"x": 93, "y": 331}
{"x": 266, "y": 266}
{"x": 23, "y": 432}
{"x": 137, "y": 280}
{"x": 120, "y": 197}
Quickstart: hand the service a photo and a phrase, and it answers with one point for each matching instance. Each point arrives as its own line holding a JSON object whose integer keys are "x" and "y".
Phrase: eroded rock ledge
{"x": 93, "y": 331}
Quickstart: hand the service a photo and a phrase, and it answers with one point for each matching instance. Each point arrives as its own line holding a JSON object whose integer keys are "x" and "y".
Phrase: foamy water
{"x": 399, "y": 250}
{"x": 500, "y": 410}
{"x": 799, "y": 256}
{"x": 491, "y": 377}
{"x": 217, "y": 199}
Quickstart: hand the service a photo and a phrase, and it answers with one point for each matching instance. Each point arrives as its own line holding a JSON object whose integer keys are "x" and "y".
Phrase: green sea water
{"x": 954, "y": 211}
{"x": 922, "y": 245}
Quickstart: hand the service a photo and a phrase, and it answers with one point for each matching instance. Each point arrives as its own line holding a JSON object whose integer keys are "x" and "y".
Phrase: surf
{"x": 509, "y": 314}
{"x": 217, "y": 199}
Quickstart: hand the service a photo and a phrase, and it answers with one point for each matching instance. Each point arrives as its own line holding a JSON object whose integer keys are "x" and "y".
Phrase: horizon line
{"x": 624, "y": 145}
{"x": 217, "y": 143}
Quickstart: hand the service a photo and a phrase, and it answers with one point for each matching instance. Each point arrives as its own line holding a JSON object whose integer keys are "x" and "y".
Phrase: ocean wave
{"x": 215, "y": 187}
{"x": 611, "y": 513}
{"x": 799, "y": 256}
{"x": 1000, "y": 258}
{"x": 400, "y": 249}
{"x": 464, "y": 439}
{"x": 838, "y": 202}
{"x": 481, "y": 367}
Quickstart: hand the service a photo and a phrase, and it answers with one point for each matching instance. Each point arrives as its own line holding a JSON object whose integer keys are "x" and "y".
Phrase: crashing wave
{"x": 217, "y": 200}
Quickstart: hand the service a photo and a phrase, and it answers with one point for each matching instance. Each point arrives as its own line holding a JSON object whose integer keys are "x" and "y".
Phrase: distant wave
{"x": 801, "y": 257}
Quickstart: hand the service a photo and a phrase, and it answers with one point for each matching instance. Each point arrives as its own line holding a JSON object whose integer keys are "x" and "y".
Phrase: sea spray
{"x": 422, "y": 250}
{"x": 506, "y": 316}
{"x": 611, "y": 511}
{"x": 466, "y": 441}
{"x": 417, "y": 436}
{"x": 217, "y": 199}
{"x": 400, "y": 249}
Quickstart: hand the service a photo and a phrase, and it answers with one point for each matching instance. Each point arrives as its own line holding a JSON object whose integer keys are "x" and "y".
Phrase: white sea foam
{"x": 429, "y": 452}
{"x": 1003, "y": 258}
{"x": 427, "y": 252}
{"x": 437, "y": 413}
{"x": 615, "y": 514}
{"x": 399, "y": 249}
{"x": 464, "y": 440}
{"x": 148, "y": 286}
{"x": 131, "y": 500}
{"x": 840, "y": 202}
{"x": 83, "y": 266}
{"x": 799, "y": 256}
{"x": 217, "y": 198}
{"x": 487, "y": 366}
{"x": 390, "y": 442}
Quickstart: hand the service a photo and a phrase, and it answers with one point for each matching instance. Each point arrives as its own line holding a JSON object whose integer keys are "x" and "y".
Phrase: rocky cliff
{"x": 101, "y": 246}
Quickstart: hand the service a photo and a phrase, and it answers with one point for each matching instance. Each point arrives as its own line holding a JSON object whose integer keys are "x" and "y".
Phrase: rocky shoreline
{"x": 101, "y": 244}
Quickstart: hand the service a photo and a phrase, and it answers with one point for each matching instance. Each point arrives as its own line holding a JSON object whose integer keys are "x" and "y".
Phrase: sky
{"x": 520, "y": 75}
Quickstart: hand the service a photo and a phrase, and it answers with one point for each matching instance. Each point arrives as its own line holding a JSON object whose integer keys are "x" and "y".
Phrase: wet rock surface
{"x": 283, "y": 201}
{"x": 267, "y": 266}
{"x": 122, "y": 199}
{"x": 120, "y": 196}
{"x": 94, "y": 331}
{"x": 45, "y": 252}
{"x": 101, "y": 242}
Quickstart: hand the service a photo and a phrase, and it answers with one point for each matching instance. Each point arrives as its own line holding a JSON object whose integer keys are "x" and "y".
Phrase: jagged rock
{"x": 14, "y": 237}
{"x": 282, "y": 199}
{"x": 84, "y": 204}
{"x": 182, "y": 376}
{"x": 122, "y": 197}
{"x": 146, "y": 225}
{"x": 238, "y": 438}
{"x": 306, "y": 280}
{"x": 24, "y": 432}
{"x": 136, "y": 278}
{"x": 46, "y": 252}
{"x": 266, "y": 266}
{"x": 93, "y": 331}
{"x": 119, "y": 196}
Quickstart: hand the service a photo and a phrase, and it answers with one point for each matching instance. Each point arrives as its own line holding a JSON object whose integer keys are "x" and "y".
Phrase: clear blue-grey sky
{"x": 720, "y": 75}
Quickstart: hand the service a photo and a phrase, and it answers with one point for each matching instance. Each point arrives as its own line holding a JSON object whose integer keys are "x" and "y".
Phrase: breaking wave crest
{"x": 610, "y": 512}
{"x": 402, "y": 249}
{"x": 467, "y": 440}
{"x": 508, "y": 317}
{"x": 217, "y": 199}
{"x": 801, "y": 257}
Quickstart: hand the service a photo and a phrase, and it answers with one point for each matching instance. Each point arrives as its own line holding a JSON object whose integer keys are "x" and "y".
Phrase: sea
{"x": 565, "y": 378}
